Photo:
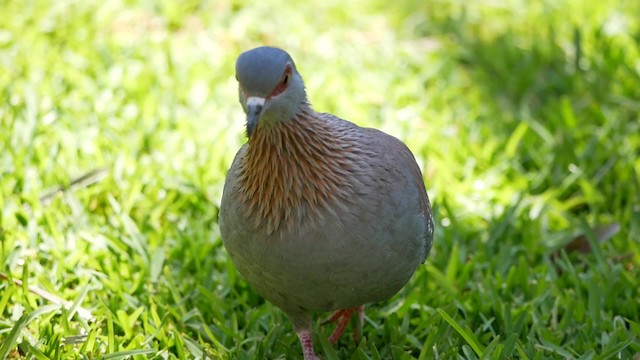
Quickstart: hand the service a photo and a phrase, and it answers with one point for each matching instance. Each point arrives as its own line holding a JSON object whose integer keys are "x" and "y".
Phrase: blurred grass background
{"x": 119, "y": 119}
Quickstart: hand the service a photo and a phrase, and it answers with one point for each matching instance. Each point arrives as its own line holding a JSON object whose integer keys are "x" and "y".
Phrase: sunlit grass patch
{"x": 118, "y": 121}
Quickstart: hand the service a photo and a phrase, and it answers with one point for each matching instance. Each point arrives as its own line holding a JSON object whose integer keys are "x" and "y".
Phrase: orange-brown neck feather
{"x": 293, "y": 170}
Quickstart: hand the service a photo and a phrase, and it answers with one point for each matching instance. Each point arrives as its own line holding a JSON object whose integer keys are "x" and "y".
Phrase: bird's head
{"x": 271, "y": 89}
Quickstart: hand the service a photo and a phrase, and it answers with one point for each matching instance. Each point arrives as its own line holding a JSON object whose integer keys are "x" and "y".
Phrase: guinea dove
{"x": 317, "y": 213}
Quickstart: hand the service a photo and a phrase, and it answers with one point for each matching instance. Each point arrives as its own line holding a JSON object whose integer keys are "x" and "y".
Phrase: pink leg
{"x": 358, "y": 329}
{"x": 342, "y": 324}
{"x": 306, "y": 340}
{"x": 335, "y": 316}
{"x": 342, "y": 317}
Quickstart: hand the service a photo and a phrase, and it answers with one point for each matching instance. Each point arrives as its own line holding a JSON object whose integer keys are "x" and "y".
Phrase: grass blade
{"x": 469, "y": 337}
{"x": 10, "y": 341}
{"x": 123, "y": 354}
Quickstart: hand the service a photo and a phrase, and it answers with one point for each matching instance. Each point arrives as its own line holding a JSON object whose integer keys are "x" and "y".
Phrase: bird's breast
{"x": 287, "y": 178}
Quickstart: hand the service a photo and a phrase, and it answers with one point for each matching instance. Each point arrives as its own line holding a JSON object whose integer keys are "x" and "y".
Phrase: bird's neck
{"x": 295, "y": 169}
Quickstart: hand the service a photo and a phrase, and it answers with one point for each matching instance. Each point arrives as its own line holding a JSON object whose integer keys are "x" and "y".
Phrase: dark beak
{"x": 253, "y": 115}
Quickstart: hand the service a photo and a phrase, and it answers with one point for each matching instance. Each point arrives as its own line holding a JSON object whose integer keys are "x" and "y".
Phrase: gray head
{"x": 271, "y": 89}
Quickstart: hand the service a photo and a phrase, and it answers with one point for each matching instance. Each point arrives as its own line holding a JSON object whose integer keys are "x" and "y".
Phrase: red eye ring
{"x": 284, "y": 83}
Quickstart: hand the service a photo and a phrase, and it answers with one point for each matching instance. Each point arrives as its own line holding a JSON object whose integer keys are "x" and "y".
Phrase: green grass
{"x": 523, "y": 115}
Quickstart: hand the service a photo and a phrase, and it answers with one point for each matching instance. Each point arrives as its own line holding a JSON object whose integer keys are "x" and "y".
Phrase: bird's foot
{"x": 342, "y": 317}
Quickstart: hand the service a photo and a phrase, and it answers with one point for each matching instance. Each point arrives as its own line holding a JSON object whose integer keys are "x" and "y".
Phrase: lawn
{"x": 118, "y": 120}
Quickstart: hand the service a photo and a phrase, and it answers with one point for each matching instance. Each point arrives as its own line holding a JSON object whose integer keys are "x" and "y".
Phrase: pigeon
{"x": 317, "y": 213}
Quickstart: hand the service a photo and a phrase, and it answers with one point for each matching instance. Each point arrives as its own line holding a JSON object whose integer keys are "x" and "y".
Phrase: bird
{"x": 317, "y": 213}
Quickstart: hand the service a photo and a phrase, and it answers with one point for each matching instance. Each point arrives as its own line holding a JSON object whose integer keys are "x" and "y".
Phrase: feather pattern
{"x": 296, "y": 169}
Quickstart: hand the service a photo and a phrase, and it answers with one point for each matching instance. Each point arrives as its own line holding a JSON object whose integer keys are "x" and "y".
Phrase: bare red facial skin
{"x": 284, "y": 82}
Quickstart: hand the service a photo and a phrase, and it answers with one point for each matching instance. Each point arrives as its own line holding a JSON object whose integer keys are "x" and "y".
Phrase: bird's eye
{"x": 285, "y": 80}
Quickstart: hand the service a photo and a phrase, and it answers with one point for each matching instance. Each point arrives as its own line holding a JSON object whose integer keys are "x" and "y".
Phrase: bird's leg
{"x": 302, "y": 325}
{"x": 359, "y": 324}
{"x": 342, "y": 318}
{"x": 335, "y": 316}
{"x": 306, "y": 340}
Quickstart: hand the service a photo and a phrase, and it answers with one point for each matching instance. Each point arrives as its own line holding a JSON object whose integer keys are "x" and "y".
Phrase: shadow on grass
{"x": 574, "y": 92}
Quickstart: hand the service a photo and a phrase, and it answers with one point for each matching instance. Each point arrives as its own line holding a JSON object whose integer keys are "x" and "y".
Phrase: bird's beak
{"x": 254, "y": 110}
